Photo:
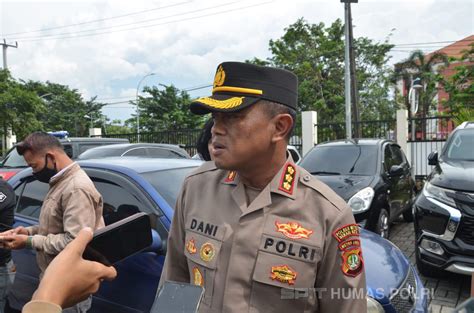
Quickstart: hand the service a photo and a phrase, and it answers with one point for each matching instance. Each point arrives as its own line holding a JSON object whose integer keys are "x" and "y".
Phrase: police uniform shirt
{"x": 293, "y": 248}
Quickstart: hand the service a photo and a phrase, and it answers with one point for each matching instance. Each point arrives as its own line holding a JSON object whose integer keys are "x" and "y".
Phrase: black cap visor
{"x": 221, "y": 103}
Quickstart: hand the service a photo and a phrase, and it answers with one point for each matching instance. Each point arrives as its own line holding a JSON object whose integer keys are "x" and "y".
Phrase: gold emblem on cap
{"x": 222, "y": 104}
{"x": 207, "y": 252}
{"x": 220, "y": 77}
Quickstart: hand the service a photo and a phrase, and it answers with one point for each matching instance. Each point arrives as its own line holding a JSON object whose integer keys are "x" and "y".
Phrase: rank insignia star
{"x": 207, "y": 252}
{"x": 293, "y": 230}
{"x": 284, "y": 274}
{"x": 288, "y": 179}
{"x": 191, "y": 246}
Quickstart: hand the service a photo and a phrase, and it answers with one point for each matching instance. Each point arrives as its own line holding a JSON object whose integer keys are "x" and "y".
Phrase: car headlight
{"x": 361, "y": 201}
{"x": 440, "y": 194}
{"x": 373, "y": 306}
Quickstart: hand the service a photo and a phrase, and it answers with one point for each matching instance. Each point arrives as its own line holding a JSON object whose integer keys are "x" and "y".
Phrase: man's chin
{"x": 223, "y": 165}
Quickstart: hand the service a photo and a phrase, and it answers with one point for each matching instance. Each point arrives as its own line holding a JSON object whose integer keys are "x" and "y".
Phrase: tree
{"x": 315, "y": 53}
{"x": 165, "y": 109}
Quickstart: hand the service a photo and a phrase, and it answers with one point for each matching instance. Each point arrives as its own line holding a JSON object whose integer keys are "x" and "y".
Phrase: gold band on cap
{"x": 222, "y": 104}
{"x": 238, "y": 89}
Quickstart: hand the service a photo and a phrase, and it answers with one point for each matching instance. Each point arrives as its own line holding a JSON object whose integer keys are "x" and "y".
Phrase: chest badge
{"x": 293, "y": 230}
{"x": 191, "y": 246}
{"x": 197, "y": 277}
{"x": 284, "y": 274}
{"x": 207, "y": 252}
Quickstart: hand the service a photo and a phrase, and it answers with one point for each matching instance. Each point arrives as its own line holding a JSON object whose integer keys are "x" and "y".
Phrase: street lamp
{"x": 136, "y": 100}
{"x": 413, "y": 99}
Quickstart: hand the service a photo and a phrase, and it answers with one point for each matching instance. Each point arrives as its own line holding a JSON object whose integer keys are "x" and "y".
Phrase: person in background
{"x": 7, "y": 268}
{"x": 71, "y": 204}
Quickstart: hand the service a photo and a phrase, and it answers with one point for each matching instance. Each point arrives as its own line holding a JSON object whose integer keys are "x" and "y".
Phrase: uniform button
{"x": 307, "y": 178}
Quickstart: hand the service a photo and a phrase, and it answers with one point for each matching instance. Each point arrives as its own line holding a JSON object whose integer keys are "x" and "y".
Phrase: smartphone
{"x": 177, "y": 297}
{"x": 120, "y": 240}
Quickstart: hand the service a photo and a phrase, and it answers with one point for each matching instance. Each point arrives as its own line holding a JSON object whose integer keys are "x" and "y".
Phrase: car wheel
{"x": 382, "y": 227}
{"x": 408, "y": 215}
{"x": 423, "y": 268}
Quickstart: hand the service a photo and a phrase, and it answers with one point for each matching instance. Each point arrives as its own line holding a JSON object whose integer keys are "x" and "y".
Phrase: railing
{"x": 368, "y": 129}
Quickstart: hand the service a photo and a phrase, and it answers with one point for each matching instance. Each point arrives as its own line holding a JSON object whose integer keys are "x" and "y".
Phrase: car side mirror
{"x": 157, "y": 245}
{"x": 433, "y": 158}
{"x": 395, "y": 170}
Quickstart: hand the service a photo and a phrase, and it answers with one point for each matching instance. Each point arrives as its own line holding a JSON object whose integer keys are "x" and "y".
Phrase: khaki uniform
{"x": 294, "y": 248}
{"x": 71, "y": 204}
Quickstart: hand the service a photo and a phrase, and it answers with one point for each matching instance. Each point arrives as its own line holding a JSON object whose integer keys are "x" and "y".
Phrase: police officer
{"x": 258, "y": 232}
{"x": 7, "y": 268}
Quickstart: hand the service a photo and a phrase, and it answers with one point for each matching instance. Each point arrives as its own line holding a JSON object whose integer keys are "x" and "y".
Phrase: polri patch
{"x": 346, "y": 231}
{"x": 284, "y": 274}
{"x": 293, "y": 230}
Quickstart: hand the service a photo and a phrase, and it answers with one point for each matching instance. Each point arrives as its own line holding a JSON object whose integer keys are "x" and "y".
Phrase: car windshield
{"x": 99, "y": 153}
{"x": 341, "y": 160}
{"x": 461, "y": 146}
{"x": 13, "y": 159}
{"x": 168, "y": 182}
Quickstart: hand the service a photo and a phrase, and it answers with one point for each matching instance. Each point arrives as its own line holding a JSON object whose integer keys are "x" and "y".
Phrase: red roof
{"x": 455, "y": 49}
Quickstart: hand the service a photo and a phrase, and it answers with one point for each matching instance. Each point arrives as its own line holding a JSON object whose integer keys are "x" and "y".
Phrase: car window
{"x": 119, "y": 202}
{"x": 168, "y": 182}
{"x": 343, "y": 159}
{"x": 136, "y": 152}
{"x": 461, "y": 145}
{"x": 397, "y": 155}
{"x": 68, "y": 150}
{"x": 13, "y": 159}
{"x": 162, "y": 153}
{"x": 99, "y": 153}
{"x": 31, "y": 199}
{"x": 85, "y": 147}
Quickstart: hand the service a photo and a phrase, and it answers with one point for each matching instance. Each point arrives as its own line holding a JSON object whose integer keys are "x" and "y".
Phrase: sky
{"x": 104, "y": 48}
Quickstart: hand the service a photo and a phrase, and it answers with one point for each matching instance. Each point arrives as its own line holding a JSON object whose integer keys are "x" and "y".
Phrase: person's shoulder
{"x": 206, "y": 167}
{"x": 321, "y": 189}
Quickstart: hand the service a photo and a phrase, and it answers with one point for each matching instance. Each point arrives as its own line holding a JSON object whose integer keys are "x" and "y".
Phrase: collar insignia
{"x": 293, "y": 230}
{"x": 191, "y": 246}
{"x": 197, "y": 275}
{"x": 220, "y": 77}
{"x": 287, "y": 181}
{"x": 230, "y": 177}
{"x": 284, "y": 274}
{"x": 346, "y": 231}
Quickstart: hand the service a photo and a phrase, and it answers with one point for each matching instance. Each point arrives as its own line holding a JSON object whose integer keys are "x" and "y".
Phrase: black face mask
{"x": 46, "y": 173}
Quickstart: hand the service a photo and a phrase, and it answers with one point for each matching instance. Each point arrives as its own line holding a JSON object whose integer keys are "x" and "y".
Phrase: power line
{"x": 126, "y": 24}
{"x": 433, "y": 42}
{"x": 153, "y": 25}
{"x": 99, "y": 20}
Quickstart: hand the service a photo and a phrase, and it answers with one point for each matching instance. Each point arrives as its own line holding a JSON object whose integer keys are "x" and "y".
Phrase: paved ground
{"x": 447, "y": 291}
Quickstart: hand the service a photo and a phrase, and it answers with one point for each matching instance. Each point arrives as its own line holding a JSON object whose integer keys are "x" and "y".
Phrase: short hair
{"x": 38, "y": 142}
{"x": 203, "y": 140}
{"x": 275, "y": 108}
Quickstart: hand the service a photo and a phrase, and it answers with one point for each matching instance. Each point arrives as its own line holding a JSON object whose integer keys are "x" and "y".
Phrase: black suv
{"x": 372, "y": 175}
{"x": 444, "y": 211}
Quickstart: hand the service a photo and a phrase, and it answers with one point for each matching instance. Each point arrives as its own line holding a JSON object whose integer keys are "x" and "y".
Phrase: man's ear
{"x": 283, "y": 124}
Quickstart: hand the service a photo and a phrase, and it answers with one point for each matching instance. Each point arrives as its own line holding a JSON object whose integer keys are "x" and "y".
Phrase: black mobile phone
{"x": 177, "y": 297}
{"x": 120, "y": 240}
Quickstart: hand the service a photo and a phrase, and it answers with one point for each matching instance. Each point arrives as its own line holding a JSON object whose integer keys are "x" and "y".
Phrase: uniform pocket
{"x": 202, "y": 253}
{"x": 281, "y": 284}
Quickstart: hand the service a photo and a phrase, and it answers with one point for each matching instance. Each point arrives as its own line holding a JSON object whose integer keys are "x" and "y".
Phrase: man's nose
{"x": 219, "y": 125}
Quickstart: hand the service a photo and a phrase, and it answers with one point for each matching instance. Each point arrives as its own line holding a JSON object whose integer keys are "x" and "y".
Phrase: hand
{"x": 69, "y": 278}
{"x": 13, "y": 241}
{"x": 20, "y": 230}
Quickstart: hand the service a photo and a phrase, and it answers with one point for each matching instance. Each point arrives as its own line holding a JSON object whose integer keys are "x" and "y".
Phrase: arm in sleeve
{"x": 79, "y": 211}
{"x": 41, "y": 307}
{"x": 32, "y": 230}
{"x": 176, "y": 266}
{"x": 343, "y": 291}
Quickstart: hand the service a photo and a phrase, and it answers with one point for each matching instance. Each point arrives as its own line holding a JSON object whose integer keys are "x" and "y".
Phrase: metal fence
{"x": 368, "y": 129}
{"x": 186, "y": 138}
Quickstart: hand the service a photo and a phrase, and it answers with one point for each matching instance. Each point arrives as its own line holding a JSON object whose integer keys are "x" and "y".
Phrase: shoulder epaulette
{"x": 205, "y": 167}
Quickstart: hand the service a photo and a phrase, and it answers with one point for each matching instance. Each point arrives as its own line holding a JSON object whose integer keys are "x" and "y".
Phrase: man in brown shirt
{"x": 71, "y": 203}
{"x": 258, "y": 232}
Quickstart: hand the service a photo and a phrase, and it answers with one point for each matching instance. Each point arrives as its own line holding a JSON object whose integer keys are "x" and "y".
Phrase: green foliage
{"x": 165, "y": 109}
{"x": 315, "y": 53}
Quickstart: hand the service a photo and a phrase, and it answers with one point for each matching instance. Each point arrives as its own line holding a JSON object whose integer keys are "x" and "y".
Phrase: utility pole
{"x": 354, "y": 90}
{"x": 5, "y": 67}
{"x": 347, "y": 71}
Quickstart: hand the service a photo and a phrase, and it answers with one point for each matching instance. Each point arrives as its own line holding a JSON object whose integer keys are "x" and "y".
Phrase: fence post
{"x": 309, "y": 133}
{"x": 402, "y": 130}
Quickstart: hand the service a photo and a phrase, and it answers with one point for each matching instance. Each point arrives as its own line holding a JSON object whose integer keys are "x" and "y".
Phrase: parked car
{"x": 372, "y": 175}
{"x": 144, "y": 150}
{"x": 151, "y": 186}
{"x": 12, "y": 163}
{"x": 295, "y": 154}
{"x": 444, "y": 211}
